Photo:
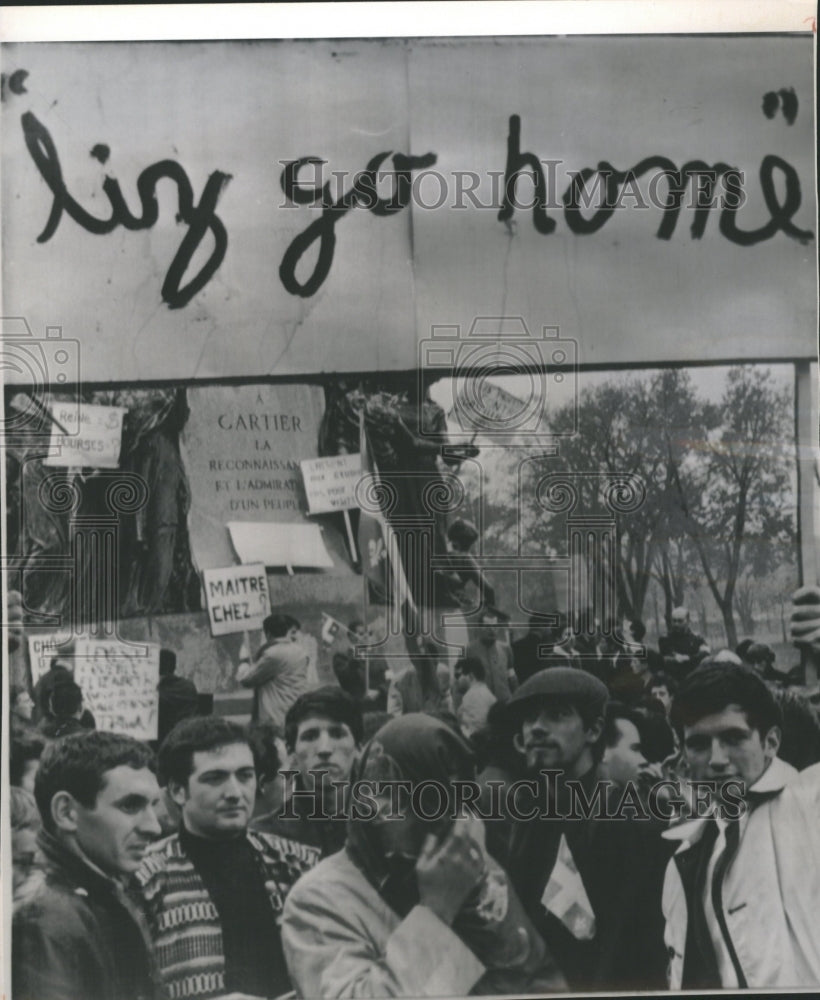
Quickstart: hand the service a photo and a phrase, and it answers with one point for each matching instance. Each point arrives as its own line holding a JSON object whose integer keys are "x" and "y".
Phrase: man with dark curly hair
{"x": 80, "y": 934}
{"x": 214, "y": 891}
{"x": 741, "y": 892}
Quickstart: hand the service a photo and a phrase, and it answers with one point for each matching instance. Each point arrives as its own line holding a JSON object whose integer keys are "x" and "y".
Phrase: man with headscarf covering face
{"x": 413, "y": 906}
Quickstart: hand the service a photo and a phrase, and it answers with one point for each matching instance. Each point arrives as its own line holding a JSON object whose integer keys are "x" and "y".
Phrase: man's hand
{"x": 805, "y": 618}
{"x": 449, "y": 871}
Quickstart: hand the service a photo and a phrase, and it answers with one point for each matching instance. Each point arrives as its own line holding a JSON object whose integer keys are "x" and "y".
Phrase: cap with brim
{"x": 566, "y": 683}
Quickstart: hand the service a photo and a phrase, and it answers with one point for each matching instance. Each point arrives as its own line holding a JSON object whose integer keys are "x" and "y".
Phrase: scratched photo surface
{"x": 279, "y": 317}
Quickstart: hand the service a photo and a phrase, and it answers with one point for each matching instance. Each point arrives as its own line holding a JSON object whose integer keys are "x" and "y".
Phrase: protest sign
{"x": 93, "y": 439}
{"x": 119, "y": 684}
{"x": 330, "y": 483}
{"x": 237, "y": 598}
{"x": 286, "y": 545}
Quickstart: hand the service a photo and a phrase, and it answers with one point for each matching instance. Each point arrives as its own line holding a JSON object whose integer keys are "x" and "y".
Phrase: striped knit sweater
{"x": 183, "y": 920}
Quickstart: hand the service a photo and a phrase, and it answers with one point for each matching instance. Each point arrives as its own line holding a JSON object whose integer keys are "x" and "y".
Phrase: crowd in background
{"x": 228, "y": 861}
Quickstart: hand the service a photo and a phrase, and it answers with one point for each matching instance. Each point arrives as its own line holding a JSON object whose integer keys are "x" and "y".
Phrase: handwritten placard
{"x": 330, "y": 483}
{"x": 119, "y": 683}
{"x": 237, "y": 598}
{"x": 93, "y": 439}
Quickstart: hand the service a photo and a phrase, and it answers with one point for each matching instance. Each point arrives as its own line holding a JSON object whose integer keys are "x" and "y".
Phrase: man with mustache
{"x": 590, "y": 884}
{"x": 81, "y": 934}
{"x": 214, "y": 891}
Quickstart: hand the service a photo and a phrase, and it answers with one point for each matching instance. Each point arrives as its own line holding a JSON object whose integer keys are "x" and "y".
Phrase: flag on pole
{"x": 330, "y": 629}
{"x": 378, "y": 545}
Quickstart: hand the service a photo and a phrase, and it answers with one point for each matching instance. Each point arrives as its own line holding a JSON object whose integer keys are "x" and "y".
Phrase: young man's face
{"x": 462, "y": 680}
{"x": 724, "y": 746}
{"x": 553, "y": 736}
{"x": 122, "y": 823}
{"x": 323, "y": 745}
{"x": 624, "y": 760}
{"x": 661, "y": 693}
{"x": 218, "y": 800}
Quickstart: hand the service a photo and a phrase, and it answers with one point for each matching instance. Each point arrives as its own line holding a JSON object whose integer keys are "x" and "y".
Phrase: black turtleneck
{"x": 235, "y": 880}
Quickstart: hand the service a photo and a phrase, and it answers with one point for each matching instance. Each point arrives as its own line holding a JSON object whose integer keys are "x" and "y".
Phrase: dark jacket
{"x": 80, "y": 937}
{"x": 683, "y": 644}
{"x": 526, "y": 659}
{"x": 621, "y": 864}
{"x": 177, "y": 701}
{"x": 55, "y": 729}
{"x": 44, "y": 688}
{"x": 351, "y": 672}
{"x": 293, "y": 821}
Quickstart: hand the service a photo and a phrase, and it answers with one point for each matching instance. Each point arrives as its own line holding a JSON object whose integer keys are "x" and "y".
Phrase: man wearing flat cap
{"x": 591, "y": 884}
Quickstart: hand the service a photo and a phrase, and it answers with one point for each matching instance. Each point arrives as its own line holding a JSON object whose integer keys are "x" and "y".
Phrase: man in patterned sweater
{"x": 214, "y": 891}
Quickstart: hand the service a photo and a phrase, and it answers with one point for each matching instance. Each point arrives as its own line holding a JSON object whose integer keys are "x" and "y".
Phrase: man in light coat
{"x": 279, "y": 674}
{"x": 741, "y": 895}
{"x": 476, "y": 698}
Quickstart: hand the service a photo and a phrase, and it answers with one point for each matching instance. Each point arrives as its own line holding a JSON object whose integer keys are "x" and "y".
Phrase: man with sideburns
{"x": 214, "y": 891}
{"x": 742, "y": 892}
{"x": 590, "y": 884}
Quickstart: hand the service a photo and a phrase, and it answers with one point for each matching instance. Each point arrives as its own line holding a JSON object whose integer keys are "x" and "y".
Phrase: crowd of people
{"x": 563, "y": 812}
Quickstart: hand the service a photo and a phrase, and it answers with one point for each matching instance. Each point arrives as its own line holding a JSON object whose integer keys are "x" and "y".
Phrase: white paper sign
{"x": 119, "y": 685}
{"x": 237, "y": 598}
{"x": 94, "y": 436}
{"x": 280, "y": 544}
{"x": 330, "y": 483}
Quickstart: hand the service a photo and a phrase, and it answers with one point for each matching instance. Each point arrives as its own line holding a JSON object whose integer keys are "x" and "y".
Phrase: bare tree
{"x": 741, "y": 489}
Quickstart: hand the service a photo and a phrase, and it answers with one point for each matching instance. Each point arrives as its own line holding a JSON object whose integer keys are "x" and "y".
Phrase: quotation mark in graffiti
{"x": 15, "y": 82}
{"x": 784, "y": 99}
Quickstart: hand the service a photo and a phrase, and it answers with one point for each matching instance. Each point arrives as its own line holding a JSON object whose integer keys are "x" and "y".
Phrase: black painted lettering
{"x": 200, "y": 218}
